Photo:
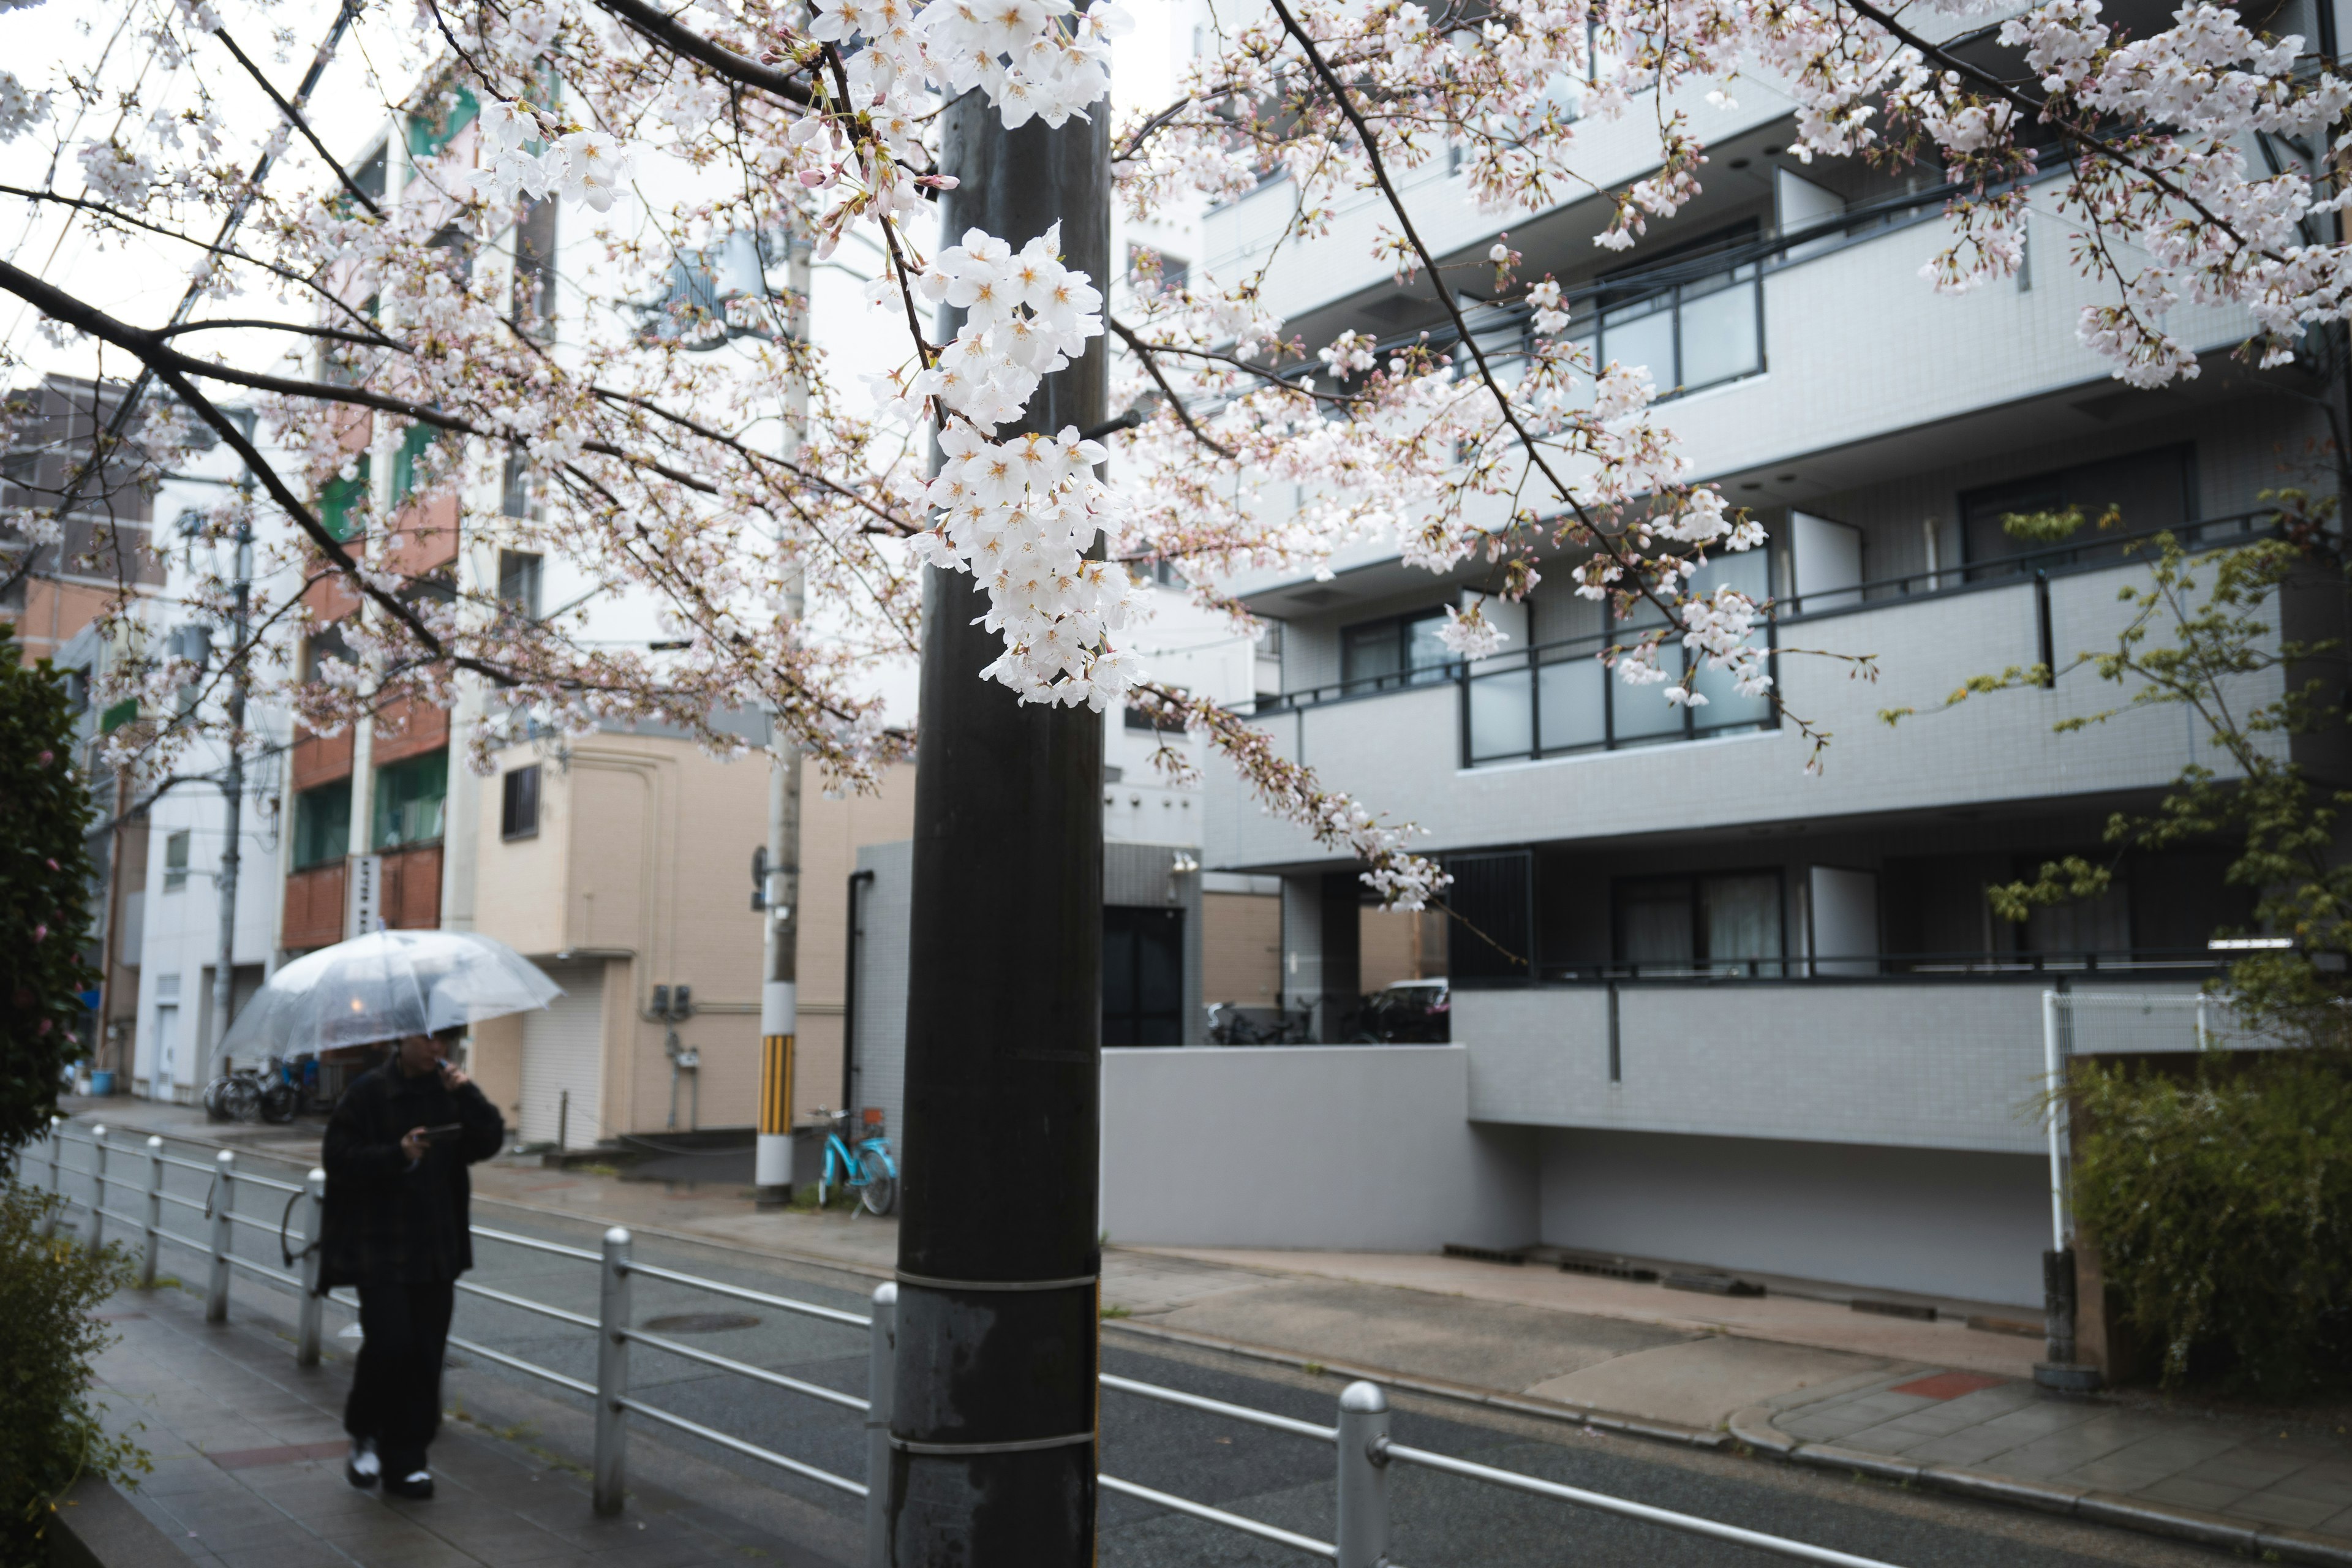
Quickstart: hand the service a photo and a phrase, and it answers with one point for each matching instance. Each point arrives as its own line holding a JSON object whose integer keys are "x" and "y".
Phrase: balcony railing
{"x": 1556, "y": 699}
{"x": 2096, "y": 552}
{"x": 1908, "y": 966}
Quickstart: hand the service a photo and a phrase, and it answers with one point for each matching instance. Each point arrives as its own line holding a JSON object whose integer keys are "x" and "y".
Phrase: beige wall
{"x": 1241, "y": 949}
{"x": 643, "y": 855}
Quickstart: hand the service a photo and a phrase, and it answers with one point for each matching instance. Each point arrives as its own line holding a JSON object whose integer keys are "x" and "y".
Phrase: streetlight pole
{"x": 771, "y": 1168}
{"x": 993, "y": 1432}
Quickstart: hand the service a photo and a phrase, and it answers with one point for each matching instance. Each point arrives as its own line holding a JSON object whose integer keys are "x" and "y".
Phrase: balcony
{"x": 1474, "y": 752}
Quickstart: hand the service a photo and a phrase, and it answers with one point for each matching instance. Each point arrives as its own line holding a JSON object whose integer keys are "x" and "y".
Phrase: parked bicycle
{"x": 1230, "y": 1024}
{"x": 865, "y": 1164}
{"x": 271, "y": 1092}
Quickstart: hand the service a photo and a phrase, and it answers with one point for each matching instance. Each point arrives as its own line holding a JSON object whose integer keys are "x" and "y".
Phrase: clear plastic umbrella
{"x": 384, "y": 986}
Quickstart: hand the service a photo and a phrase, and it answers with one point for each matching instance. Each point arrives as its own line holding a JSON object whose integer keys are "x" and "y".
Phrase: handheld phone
{"x": 443, "y": 1133}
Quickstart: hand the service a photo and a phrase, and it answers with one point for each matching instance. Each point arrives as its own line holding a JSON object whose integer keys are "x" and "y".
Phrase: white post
{"x": 1364, "y": 1501}
{"x": 2055, "y": 1068}
{"x": 881, "y": 1382}
{"x": 610, "y": 1461}
{"x": 97, "y": 1190}
{"x": 155, "y": 1213}
{"x": 56, "y": 1172}
{"x": 314, "y": 1306}
{"x": 2204, "y": 1040}
{"x": 224, "y": 1198}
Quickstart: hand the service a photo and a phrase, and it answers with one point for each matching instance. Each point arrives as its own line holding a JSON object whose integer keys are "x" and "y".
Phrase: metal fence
{"x": 1359, "y": 1433}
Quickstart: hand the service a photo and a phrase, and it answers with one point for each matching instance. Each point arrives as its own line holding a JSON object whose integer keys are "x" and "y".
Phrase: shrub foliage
{"x": 45, "y": 880}
{"x": 2222, "y": 1203}
{"x": 49, "y": 1431}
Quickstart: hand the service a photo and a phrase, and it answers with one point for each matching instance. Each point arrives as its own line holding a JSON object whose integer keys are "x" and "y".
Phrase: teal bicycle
{"x": 865, "y": 1166}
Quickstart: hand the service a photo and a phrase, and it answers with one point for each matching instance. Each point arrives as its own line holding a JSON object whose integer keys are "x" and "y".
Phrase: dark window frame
{"x": 1399, "y": 626}
{"x": 519, "y": 798}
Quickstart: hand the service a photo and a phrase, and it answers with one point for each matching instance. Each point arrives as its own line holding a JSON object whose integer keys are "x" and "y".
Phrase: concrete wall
{"x": 1331, "y": 1146}
{"x": 1937, "y": 1222}
{"x": 1920, "y": 1065}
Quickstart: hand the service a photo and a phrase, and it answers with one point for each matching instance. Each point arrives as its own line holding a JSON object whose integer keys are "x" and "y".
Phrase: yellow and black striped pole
{"x": 779, "y": 896}
{"x": 775, "y": 1104}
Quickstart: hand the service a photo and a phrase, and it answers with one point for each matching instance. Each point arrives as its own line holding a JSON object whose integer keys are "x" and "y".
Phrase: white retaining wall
{"x": 1362, "y": 1148}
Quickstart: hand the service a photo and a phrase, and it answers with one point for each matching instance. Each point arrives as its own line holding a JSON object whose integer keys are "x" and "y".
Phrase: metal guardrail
{"x": 1361, "y": 1436}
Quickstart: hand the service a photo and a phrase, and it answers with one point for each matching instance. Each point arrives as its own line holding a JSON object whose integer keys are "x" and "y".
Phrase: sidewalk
{"x": 248, "y": 1454}
{"x": 1813, "y": 1382}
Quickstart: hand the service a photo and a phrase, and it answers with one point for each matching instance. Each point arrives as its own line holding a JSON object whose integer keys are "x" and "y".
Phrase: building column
{"x": 1321, "y": 950}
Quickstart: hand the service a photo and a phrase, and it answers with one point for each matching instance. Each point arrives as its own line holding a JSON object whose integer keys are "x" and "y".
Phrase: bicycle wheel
{"x": 278, "y": 1102}
{"x": 881, "y": 1194}
{"x": 240, "y": 1099}
{"x": 213, "y": 1091}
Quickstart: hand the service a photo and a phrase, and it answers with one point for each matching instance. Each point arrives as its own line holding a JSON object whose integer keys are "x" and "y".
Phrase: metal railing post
{"x": 155, "y": 1226}
{"x": 612, "y": 1374}
{"x": 56, "y": 1172}
{"x": 224, "y": 1198}
{"x": 97, "y": 1188}
{"x": 881, "y": 1382}
{"x": 1363, "y": 1506}
{"x": 314, "y": 1305}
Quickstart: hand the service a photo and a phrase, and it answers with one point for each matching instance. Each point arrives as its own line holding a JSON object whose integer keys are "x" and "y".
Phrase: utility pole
{"x": 778, "y": 995}
{"x": 233, "y": 778}
{"x": 992, "y": 1432}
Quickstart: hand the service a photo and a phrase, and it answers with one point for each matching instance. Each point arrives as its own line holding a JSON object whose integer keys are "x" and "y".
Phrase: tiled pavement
{"x": 249, "y": 1470}
{"x": 2253, "y": 1474}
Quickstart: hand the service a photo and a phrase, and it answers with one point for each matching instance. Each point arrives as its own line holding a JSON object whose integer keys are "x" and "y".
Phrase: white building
{"x": 1733, "y": 1015}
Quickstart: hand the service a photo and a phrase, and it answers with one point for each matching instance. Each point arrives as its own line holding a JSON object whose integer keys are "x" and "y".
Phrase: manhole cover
{"x": 702, "y": 1322}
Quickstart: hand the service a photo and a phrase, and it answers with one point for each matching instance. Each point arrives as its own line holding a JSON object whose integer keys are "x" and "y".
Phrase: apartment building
{"x": 1718, "y": 1012}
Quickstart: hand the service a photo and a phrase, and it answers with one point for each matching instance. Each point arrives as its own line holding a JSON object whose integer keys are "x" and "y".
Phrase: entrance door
{"x": 1143, "y": 976}
{"x": 563, "y": 1060}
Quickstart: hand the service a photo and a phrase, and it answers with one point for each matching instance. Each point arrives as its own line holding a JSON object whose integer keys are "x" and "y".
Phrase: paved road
{"x": 1273, "y": 1477}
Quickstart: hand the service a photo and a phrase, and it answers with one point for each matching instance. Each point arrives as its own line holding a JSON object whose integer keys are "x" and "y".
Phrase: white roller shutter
{"x": 564, "y": 1049}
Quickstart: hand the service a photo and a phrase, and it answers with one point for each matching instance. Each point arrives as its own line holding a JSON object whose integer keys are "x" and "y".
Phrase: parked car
{"x": 1408, "y": 1013}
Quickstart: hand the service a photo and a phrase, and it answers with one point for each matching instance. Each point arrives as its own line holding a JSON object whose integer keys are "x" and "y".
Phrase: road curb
{"x": 97, "y": 1527}
{"x": 1388, "y": 1377}
{"x": 1753, "y": 1427}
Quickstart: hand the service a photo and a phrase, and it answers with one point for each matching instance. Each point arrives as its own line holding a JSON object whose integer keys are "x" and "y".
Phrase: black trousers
{"x": 395, "y": 1396}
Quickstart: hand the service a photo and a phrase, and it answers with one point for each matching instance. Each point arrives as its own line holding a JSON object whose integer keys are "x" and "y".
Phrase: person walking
{"x": 397, "y": 1227}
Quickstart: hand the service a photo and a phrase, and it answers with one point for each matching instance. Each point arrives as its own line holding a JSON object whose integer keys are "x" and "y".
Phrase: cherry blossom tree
{"x": 728, "y": 495}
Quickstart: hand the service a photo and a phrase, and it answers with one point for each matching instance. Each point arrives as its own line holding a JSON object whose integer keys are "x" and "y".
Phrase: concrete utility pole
{"x": 778, "y": 995}
{"x": 233, "y": 789}
{"x": 993, "y": 1431}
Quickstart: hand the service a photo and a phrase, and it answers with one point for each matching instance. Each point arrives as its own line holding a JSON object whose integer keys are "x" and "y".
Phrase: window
{"x": 321, "y": 646}
{"x": 1493, "y": 894}
{"x": 322, "y": 824}
{"x": 2146, "y": 491}
{"x": 1149, "y": 271}
{"x": 1691, "y": 334}
{"x": 342, "y": 503}
{"x": 534, "y": 265}
{"x": 514, "y": 487}
{"x": 409, "y": 796}
{"x": 1727, "y": 923}
{"x": 409, "y": 469}
{"x": 1139, "y": 720}
{"x": 370, "y": 175}
{"x": 519, "y": 575}
{"x": 449, "y": 110}
{"x": 1556, "y": 699}
{"x": 175, "y": 861}
{"x": 518, "y": 803}
{"x": 1399, "y": 650}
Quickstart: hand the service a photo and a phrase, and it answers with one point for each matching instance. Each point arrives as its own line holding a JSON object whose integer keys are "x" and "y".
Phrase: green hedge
{"x": 49, "y": 1434}
{"x": 2220, "y": 1201}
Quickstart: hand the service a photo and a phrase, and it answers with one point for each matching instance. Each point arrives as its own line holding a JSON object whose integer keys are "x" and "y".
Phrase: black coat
{"x": 388, "y": 1222}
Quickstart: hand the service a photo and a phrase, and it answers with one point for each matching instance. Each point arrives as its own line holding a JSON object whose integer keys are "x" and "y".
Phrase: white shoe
{"x": 365, "y": 1468}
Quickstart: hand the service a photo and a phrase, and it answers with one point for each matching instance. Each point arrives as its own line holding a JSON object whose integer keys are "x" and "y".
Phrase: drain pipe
{"x": 849, "y": 1001}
